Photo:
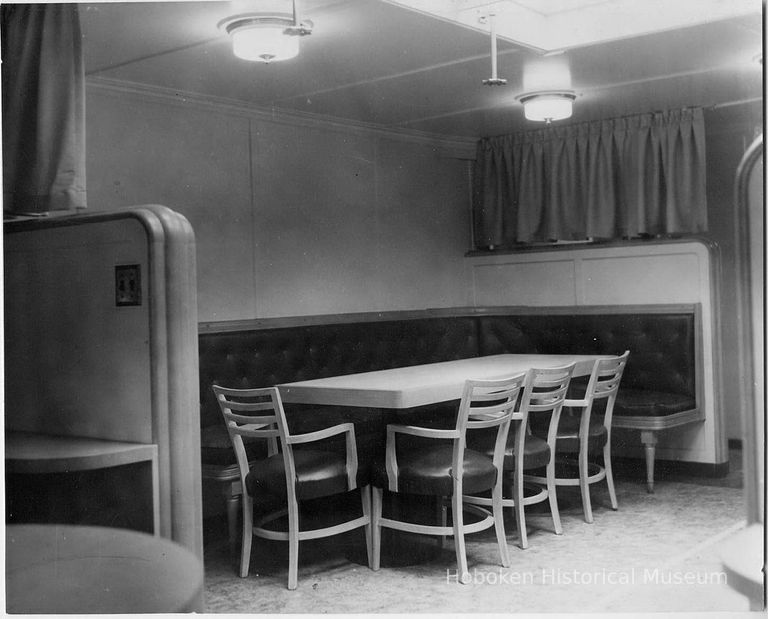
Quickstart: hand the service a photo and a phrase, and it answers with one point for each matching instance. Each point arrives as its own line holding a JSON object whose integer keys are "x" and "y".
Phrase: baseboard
{"x": 670, "y": 468}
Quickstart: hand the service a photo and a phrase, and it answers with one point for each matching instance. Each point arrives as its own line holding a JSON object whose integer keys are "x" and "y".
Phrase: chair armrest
{"x": 351, "y": 451}
{"x": 311, "y": 437}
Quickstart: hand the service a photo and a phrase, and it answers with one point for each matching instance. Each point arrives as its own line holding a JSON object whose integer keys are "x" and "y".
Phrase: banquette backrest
{"x": 263, "y": 357}
{"x": 662, "y": 345}
{"x": 662, "y": 341}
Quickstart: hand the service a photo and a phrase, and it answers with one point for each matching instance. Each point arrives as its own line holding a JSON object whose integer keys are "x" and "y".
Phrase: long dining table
{"x": 396, "y": 390}
{"x": 420, "y": 385}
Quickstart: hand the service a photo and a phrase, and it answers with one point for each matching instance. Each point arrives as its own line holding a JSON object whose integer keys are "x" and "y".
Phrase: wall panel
{"x": 292, "y": 216}
{"x": 618, "y": 279}
{"x": 527, "y": 282}
{"x": 146, "y": 151}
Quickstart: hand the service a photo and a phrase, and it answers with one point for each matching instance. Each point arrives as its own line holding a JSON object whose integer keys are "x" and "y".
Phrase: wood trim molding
{"x": 454, "y": 147}
{"x": 659, "y": 423}
{"x": 327, "y": 319}
{"x": 565, "y": 246}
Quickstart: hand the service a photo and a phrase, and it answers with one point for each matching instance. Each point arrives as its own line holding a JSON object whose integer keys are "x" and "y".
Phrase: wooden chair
{"x": 543, "y": 395}
{"x": 293, "y": 475}
{"x": 445, "y": 468}
{"x": 584, "y": 434}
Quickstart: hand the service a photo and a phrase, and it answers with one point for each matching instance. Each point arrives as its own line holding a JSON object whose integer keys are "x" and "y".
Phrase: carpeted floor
{"x": 659, "y": 552}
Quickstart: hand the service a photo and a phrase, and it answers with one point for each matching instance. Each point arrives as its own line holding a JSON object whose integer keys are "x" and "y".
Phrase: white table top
{"x": 57, "y": 568}
{"x": 418, "y": 385}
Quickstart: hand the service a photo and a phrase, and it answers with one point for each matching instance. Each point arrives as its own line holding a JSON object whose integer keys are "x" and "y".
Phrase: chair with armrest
{"x": 585, "y": 433}
{"x": 292, "y": 476}
{"x": 441, "y": 466}
{"x": 543, "y": 395}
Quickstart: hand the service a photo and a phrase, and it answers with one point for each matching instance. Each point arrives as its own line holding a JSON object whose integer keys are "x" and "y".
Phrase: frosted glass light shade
{"x": 548, "y": 106}
{"x": 266, "y": 37}
{"x": 266, "y": 42}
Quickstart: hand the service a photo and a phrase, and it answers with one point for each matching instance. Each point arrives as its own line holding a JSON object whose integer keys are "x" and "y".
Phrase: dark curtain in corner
{"x": 618, "y": 178}
{"x": 43, "y": 108}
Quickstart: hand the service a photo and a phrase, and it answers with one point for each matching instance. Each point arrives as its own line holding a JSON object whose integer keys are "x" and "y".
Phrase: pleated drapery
{"x": 626, "y": 177}
{"x": 43, "y": 84}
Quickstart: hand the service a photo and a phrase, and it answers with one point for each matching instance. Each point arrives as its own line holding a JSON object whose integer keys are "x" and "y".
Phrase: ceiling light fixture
{"x": 266, "y": 36}
{"x": 547, "y": 105}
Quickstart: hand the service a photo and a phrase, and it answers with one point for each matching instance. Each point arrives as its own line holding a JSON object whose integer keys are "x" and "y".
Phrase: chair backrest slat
{"x": 488, "y": 404}
{"x": 544, "y": 392}
{"x": 267, "y": 420}
{"x": 606, "y": 376}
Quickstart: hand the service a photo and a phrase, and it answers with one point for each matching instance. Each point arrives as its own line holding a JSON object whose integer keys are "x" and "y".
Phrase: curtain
{"x": 626, "y": 177}
{"x": 43, "y": 108}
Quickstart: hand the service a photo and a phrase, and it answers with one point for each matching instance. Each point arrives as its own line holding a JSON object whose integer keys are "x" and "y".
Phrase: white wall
{"x": 291, "y": 217}
{"x": 295, "y": 216}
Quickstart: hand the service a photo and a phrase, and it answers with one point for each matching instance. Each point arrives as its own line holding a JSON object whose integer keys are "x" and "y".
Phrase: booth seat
{"x": 660, "y": 389}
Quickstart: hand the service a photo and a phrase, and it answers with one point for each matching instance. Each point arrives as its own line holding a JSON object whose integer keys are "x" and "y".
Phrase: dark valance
{"x": 627, "y": 177}
{"x": 43, "y": 108}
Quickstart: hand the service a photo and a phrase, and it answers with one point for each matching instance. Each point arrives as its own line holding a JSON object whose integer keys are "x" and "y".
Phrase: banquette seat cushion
{"x": 651, "y": 403}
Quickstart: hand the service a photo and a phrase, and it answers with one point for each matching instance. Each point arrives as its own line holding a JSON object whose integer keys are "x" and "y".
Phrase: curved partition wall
{"x": 101, "y": 343}
{"x": 750, "y": 221}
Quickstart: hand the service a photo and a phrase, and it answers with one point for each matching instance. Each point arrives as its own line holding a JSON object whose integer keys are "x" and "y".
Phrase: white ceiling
{"x": 375, "y": 62}
{"x": 555, "y": 25}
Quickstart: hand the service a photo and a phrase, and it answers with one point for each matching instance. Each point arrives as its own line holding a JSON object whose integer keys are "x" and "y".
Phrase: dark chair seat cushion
{"x": 535, "y": 452}
{"x": 568, "y": 433}
{"x": 318, "y": 474}
{"x": 644, "y": 403}
{"x": 428, "y": 471}
{"x": 216, "y": 446}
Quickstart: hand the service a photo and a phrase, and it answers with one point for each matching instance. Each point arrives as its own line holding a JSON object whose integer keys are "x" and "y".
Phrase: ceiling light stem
{"x": 494, "y": 57}
{"x": 494, "y": 80}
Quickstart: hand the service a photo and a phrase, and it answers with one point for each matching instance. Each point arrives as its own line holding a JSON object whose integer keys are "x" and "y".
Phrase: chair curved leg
{"x": 245, "y": 551}
{"x": 609, "y": 476}
{"x": 584, "y": 485}
{"x": 293, "y": 547}
{"x": 365, "y": 498}
{"x": 517, "y": 483}
{"x": 552, "y": 496}
{"x": 498, "y": 520}
{"x": 458, "y": 537}
{"x": 376, "y": 498}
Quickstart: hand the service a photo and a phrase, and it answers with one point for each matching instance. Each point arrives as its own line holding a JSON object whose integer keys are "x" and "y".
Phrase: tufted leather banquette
{"x": 659, "y": 387}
